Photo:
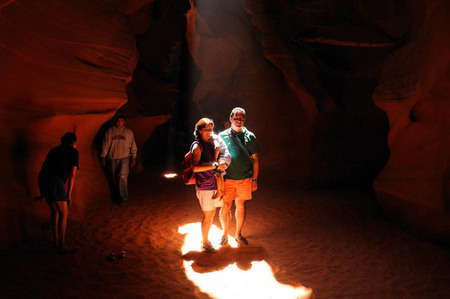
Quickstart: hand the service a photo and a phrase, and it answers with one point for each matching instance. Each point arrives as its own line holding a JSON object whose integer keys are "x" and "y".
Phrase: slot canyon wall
{"x": 353, "y": 92}
{"x": 414, "y": 92}
{"x": 65, "y": 66}
{"x": 339, "y": 93}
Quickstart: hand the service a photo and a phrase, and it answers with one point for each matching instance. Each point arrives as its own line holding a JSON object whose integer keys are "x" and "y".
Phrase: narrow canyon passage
{"x": 341, "y": 95}
{"x": 335, "y": 244}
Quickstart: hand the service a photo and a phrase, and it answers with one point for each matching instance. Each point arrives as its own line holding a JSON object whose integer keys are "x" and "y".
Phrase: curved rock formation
{"x": 413, "y": 90}
{"x": 314, "y": 77}
{"x": 65, "y": 66}
{"x": 339, "y": 93}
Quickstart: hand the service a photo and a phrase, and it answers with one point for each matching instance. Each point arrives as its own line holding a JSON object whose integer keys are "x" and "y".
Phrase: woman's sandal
{"x": 208, "y": 248}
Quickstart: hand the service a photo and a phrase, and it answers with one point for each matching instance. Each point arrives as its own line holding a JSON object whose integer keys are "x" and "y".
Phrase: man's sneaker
{"x": 224, "y": 241}
{"x": 241, "y": 240}
{"x": 208, "y": 248}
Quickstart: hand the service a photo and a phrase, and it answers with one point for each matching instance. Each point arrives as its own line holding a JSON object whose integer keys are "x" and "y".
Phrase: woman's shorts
{"x": 52, "y": 187}
{"x": 206, "y": 201}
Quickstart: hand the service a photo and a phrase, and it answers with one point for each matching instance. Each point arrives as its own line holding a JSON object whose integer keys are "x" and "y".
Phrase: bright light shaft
{"x": 232, "y": 282}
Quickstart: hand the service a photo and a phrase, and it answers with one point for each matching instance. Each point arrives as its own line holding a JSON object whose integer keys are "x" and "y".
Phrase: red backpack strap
{"x": 199, "y": 144}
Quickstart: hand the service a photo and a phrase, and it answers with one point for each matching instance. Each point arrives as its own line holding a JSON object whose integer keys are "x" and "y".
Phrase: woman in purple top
{"x": 204, "y": 166}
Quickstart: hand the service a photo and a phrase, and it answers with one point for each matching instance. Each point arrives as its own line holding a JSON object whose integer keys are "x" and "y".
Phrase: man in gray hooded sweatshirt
{"x": 118, "y": 146}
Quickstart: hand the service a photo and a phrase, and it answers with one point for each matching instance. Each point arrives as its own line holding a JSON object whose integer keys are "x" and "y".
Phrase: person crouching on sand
{"x": 204, "y": 165}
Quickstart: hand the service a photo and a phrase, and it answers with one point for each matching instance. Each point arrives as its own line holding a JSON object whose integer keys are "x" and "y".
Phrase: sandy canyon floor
{"x": 319, "y": 244}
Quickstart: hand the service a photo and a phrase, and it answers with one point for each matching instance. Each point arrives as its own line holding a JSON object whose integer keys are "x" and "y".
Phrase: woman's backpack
{"x": 188, "y": 173}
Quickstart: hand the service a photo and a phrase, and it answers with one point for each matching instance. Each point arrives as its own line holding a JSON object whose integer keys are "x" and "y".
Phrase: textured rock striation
{"x": 65, "y": 66}
{"x": 340, "y": 93}
{"x": 414, "y": 91}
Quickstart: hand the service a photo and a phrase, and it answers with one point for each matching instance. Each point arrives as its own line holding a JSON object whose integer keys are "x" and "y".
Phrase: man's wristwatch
{"x": 215, "y": 165}
{"x": 255, "y": 180}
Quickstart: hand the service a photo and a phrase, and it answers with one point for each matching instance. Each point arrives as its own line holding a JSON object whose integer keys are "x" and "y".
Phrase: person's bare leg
{"x": 212, "y": 220}
{"x": 240, "y": 215}
{"x": 220, "y": 185}
{"x": 225, "y": 216}
{"x": 53, "y": 221}
{"x": 207, "y": 220}
{"x": 216, "y": 195}
{"x": 220, "y": 182}
{"x": 63, "y": 212}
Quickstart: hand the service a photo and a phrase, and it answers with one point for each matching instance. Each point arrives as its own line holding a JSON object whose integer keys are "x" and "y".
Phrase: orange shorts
{"x": 238, "y": 189}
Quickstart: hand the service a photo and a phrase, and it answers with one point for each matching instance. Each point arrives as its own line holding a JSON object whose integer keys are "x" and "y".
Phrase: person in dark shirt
{"x": 60, "y": 165}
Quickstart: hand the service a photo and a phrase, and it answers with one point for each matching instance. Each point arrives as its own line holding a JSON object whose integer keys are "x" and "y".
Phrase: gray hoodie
{"x": 118, "y": 143}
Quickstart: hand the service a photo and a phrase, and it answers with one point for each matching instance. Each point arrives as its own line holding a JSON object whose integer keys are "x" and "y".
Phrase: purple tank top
{"x": 205, "y": 180}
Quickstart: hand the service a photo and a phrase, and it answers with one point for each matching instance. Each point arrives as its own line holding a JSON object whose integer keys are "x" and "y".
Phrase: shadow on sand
{"x": 210, "y": 262}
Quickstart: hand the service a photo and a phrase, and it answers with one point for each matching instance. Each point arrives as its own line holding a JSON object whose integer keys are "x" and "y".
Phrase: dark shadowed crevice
{"x": 348, "y": 133}
{"x": 163, "y": 82}
{"x": 170, "y": 141}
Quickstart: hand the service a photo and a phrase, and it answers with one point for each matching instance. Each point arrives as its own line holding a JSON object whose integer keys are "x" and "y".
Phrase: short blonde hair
{"x": 200, "y": 125}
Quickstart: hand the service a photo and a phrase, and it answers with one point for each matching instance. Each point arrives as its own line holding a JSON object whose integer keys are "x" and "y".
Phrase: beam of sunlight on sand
{"x": 231, "y": 281}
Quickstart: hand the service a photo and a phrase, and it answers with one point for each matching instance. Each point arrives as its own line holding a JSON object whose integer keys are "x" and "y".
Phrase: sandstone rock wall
{"x": 337, "y": 91}
{"x": 64, "y": 67}
{"x": 414, "y": 91}
{"x": 235, "y": 72}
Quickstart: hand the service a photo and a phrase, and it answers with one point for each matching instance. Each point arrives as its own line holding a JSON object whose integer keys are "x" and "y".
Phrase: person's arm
{"x": 225, "y": 157}
{"x": 255, "y": 171}
{"x": 197, "y": 153}
{"x": 133, "y": 150}
{"x": 105, "y": 147}
{"x": 216, "y": 150}
{"x": 70, "y": 184}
